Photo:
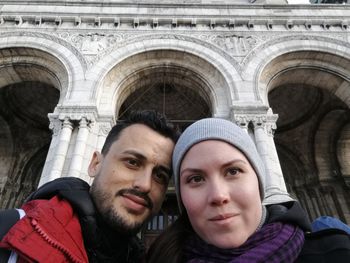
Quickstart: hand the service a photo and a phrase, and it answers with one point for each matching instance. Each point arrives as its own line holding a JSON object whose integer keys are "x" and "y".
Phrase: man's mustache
{"x": 149, "y": 203}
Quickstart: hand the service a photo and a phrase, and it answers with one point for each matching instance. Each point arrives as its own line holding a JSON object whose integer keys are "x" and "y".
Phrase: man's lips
{"x": 136, "y": 199}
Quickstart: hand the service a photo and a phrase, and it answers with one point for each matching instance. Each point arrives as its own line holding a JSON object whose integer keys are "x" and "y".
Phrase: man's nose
{"x": 143, "y": 181}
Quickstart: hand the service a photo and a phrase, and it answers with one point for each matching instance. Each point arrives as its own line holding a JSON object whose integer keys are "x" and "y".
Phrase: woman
{"x": 219, "y": 181}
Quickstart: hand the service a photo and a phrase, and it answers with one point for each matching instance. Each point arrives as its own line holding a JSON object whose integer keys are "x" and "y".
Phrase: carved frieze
{"x": 237, "y": 47}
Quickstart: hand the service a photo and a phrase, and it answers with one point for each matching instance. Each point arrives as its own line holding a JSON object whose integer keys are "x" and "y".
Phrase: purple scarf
{"x": 274, "y": 242}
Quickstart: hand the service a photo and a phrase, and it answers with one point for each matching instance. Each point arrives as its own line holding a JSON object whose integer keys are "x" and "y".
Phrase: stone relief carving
{"x": 104, "y": 129}
{"x": 235, "y": 44}
{"x": 94, "y": 43}
{"x": 55, "y": 124}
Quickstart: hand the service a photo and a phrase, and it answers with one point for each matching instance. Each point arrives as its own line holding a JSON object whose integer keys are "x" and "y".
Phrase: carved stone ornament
{"x": 55, "y": 125}
{"x": 235, "y": 44}
{"x": 104, "y": 129}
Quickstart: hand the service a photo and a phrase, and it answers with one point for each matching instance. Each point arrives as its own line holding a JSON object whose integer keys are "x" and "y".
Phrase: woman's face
{"x": 220, "y": 191}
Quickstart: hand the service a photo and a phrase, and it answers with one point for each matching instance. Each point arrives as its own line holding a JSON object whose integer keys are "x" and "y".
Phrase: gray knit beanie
{"x": 217, "y": 129}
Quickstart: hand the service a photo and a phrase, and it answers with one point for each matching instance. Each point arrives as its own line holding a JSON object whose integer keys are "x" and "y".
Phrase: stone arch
{"x": 6, "y": 151}
{"x": 326, "y": 137}
{"x": 222, "y": 76}
{"x": 343, "y": 152}
{"x": 181, "y": 94}
{"x": 32, "y": 81}
{"x": 331, "y": 56}
{"x": 26, "y": 181}
{"x": 63, "y": 64}
{"x": 296, "y": 173}
{"x": 24, "y": 109}
{"x": 310, "y": 90}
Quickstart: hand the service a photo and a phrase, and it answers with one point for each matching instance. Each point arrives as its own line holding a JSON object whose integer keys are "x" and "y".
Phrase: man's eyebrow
{"x": 136, "y": 154}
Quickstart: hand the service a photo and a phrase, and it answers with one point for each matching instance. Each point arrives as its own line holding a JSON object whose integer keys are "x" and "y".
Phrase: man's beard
{"x": 110, "y": 216}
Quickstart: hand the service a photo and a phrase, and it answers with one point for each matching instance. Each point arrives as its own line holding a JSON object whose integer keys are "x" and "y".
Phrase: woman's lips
{"x": 222, "y": 217}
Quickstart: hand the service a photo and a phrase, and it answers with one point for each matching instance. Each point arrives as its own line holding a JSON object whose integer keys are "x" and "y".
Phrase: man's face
{"x": 132, "y": 178}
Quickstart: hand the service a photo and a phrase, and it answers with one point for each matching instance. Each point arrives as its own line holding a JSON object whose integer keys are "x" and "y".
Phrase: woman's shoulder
{"x": 329, "y": 245}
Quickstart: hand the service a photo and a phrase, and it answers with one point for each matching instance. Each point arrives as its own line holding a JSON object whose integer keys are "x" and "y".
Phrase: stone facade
{"x": 279, "y": 71}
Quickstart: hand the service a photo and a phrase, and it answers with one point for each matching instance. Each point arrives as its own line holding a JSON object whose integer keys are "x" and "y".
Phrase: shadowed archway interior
{"x": 312, "y": 119}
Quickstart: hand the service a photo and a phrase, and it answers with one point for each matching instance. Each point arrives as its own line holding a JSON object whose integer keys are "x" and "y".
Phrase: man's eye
{"x": 133, "y": 162}
{"x": 162, "y": 178}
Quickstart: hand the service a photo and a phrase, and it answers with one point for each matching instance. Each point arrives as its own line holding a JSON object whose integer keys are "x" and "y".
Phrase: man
{"x": 76, "y": 223}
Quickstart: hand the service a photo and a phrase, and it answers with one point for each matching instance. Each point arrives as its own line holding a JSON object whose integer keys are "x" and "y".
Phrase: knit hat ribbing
{"x": 217, "y": 129}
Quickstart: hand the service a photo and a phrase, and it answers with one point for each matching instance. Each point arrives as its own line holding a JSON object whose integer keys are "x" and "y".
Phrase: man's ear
{"x": 95, "y": 164}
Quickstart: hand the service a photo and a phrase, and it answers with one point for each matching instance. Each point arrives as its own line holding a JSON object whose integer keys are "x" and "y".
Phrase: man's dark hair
{"x": 152, "y": 119}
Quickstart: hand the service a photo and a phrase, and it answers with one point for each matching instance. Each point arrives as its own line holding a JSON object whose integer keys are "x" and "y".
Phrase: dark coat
{"x": 329, "y": 245}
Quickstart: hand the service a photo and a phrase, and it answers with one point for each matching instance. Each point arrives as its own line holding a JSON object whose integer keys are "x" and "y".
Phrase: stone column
{"x": 263, "y": 126}
{"x": 79, "y": 148}
{"x": 59, "y": 156}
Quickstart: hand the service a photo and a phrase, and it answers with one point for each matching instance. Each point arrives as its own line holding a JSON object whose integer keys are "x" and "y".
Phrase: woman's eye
{"x": 232, "y": 171}
{"x": 195, "y": 179}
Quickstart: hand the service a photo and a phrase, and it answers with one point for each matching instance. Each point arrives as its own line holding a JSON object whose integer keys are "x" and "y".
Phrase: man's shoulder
{"x": 59, "y": 186}
{"x": 329, "y": 245}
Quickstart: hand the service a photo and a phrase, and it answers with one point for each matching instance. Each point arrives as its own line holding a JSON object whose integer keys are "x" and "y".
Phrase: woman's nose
{"x": 218, "y": 193}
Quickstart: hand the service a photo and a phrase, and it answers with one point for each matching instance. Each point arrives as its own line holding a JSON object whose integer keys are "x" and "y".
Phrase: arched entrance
{"x": 174, "y": 91}
{"x": 309, "y": 91}
{"x": 29, "y": 90}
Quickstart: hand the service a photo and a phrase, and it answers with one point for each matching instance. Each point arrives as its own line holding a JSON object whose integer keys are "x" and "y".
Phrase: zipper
{"x": 53, "y": 242}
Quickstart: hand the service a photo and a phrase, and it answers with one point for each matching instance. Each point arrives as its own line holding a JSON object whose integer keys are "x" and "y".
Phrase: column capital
{"x": 77, "y": 113}
{"x": 81, "y": 118}
{"x": 260, "y": 120}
